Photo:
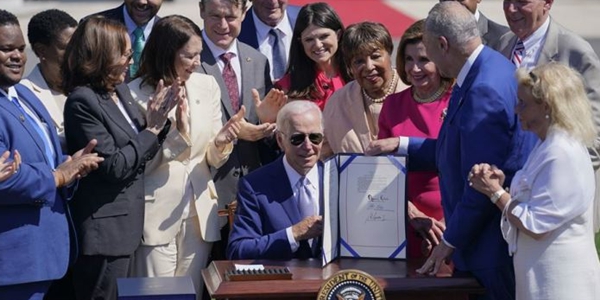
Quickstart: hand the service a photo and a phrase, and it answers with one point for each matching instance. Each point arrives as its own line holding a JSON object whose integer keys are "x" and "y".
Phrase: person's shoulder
{"x": 247, "y": 50}
{"x": 267, "y": 174}
{"x": 568, "y": 39}
{"x": 115, "y": 13}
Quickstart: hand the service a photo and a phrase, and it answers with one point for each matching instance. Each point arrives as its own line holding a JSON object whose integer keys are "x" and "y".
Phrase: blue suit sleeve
{"x": 32, "y": 184}
{"x": 421, "y": 154}
{"x": 487, "y": 127}
{"x": 247, "y": 240}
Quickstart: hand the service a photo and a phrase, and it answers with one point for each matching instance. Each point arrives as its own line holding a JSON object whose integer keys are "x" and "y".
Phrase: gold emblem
{"x": 351, "y": 285}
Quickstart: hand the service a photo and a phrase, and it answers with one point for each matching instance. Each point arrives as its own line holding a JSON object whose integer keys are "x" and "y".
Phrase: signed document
{"x": 368, "y": 217}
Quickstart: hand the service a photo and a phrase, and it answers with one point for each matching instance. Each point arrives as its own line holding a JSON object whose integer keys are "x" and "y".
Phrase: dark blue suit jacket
{"x": 480, "y": 127}
{"x": 248, "y": 33}
{"x": 34, "y": 231}
{"x": 266, "y": 207}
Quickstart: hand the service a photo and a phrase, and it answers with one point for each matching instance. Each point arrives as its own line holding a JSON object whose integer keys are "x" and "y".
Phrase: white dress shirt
{"x": 235, "y": 63}
{"x": 313, "y": 179}
{"x": 265, "y": 45}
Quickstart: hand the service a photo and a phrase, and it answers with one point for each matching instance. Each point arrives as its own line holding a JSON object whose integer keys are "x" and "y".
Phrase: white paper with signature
{"x": 371, "y": 207}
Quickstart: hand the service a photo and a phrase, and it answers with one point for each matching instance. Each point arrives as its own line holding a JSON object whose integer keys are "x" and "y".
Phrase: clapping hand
{"x": 182, "y": 113}
{"x": 7, "y": 169}
{"x": 229, "y": 132}
{"x": 164, "y": 100}
{"x": 78, "y": 165}
{"x": 486, "y": 178}
{"x": 268, "y": 108}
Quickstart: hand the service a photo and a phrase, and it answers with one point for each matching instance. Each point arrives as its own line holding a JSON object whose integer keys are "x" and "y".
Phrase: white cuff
{"x": 403, "y": 145}
{"x": 290, "y": 236}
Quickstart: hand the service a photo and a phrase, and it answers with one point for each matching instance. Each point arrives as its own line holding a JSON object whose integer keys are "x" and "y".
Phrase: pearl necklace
{"x": 433, "y": 97}
{"x": 390, "y": 90}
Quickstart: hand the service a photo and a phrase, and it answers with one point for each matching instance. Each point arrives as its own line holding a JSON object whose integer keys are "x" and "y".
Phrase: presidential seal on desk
{"x": 351, "y": 285}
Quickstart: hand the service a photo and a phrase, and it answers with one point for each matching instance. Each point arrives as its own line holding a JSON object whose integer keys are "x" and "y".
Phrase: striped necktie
{"x": 518, "y": 53}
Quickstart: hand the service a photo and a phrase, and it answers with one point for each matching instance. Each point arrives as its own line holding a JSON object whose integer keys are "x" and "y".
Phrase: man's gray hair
{"x": 296, "y": 107}
{"x": 453, "y": 21}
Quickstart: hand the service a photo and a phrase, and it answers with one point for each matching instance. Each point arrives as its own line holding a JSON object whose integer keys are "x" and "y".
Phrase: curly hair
{"x": 44, "y": 27}
{"x": 7, "y": 18}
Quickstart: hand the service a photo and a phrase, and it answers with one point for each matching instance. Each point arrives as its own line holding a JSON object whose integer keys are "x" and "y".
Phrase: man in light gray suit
{"x": 238, "y": 68}
{"x": 489, "y": 30}
{"x": 544, "y": 40}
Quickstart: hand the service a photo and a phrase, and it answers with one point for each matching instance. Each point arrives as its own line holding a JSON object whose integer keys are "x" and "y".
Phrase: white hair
{"x": 296, "y": 107}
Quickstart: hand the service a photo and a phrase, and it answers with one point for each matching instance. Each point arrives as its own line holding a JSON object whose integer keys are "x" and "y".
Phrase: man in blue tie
{"x": 35, "y": 239}
{"x": 139, "y": 17}
{"x": 279, "y": 213}
{"x": 268, "y": 27}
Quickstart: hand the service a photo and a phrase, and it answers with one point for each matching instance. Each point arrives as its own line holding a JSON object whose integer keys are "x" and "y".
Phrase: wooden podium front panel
{"x": 398, "y": 279}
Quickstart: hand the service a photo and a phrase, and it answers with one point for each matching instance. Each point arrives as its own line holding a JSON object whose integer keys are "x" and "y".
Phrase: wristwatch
{"x": 496, "y": 195}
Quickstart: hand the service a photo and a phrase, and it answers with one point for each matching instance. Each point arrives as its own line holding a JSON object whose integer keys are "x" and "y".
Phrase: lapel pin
{"x": 22, "y": 118}
{"x": 248, "y": 59}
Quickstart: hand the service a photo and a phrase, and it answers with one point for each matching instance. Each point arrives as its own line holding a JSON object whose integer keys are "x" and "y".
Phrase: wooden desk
{"x": 397, "y": 278}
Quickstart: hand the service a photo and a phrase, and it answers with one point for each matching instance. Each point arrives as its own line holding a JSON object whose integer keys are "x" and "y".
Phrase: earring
{"x": 547, "y": 116}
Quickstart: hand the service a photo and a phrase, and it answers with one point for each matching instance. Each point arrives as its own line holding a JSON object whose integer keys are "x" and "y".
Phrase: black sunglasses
{"x": 297, "y": 139}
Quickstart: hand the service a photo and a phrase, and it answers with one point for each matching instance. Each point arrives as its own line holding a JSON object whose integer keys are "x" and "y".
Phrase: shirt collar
{"x": 293, "y": 176}
{"x": 462, "y": 75}
{"x": 537, "y": 35}
{"x": 12, "y": 93}
{"x": 131, "y": 26}
{"x": 476, "y": 14}
{"x": 216, "y": 50}
{"x": 263, "y": 29}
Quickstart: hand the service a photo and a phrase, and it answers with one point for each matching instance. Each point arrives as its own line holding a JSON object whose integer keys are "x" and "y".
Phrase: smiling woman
{"x": 316, "y": 68}
{"x": 352, "y": 113}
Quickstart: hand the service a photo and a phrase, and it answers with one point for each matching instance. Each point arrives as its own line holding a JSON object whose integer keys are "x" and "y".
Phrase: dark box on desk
{"x": 156, "y": 288}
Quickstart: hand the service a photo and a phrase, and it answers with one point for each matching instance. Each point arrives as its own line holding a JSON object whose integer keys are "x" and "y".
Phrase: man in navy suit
{"x": 35, "y": 245}
{"x": 480, "y": 125}
{"x": 263, "y": 16}
{"x": 278, "y": 214}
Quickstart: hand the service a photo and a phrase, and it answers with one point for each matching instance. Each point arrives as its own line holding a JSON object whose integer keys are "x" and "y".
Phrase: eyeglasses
{"x": 297, "y": 139}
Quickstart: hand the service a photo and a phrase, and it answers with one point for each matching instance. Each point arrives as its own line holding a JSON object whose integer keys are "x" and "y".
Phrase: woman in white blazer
{"x": 49, "y": 33}
{"x": 181, "y": 203}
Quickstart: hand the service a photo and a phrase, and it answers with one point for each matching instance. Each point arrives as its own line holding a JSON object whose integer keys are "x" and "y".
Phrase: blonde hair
{"x": 562, "y": 89}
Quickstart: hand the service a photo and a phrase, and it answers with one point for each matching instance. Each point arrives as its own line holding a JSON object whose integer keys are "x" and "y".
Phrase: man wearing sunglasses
{"x": 279, "y": 211}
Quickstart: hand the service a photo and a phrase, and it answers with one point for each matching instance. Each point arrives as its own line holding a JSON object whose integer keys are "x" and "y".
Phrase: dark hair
{"x": 301, "y": 68}
{"x": 168, "y": 35}
{"x": 93, "y": 54}
{"x": 7, "y": 18}
{"x": 364, "y": 38}
{"x": 44, "y": 27}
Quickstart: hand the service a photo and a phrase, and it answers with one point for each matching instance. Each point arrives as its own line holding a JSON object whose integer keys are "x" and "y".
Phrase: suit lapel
{"x": 456, "y": 103}
{"x": 288, "y": 202}
{"x": 115, "y": 114}
{"x": 507, "y": 49}
{"x": 549, "y": 51}
{"x": 39, "y": 86}
{"x": 210, "y": 67}
{"x": 38, "y": 108}
{"x": 247, "y": 67}
{"x": 482, "y": 25}
{"x": 131, "y": 107}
